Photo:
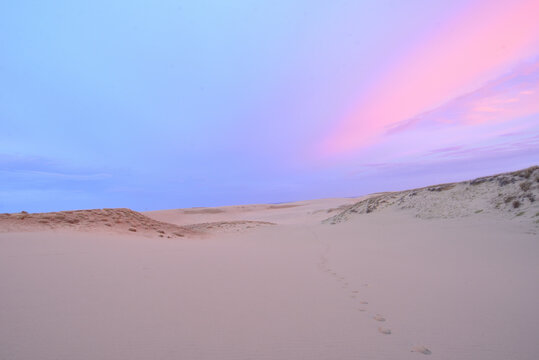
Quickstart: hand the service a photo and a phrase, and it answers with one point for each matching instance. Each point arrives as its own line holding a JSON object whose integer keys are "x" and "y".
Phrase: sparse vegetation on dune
{"x": 228, "y": 225}
{"x": 525, "y": 186}
{"x": 513, "y": 190}
{"x": 117, "y": 220}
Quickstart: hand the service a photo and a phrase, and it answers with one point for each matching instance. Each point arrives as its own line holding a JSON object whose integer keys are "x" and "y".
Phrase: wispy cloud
{"x": 56, "y": 175}
{"x": 36, "y": 167}
{"x": 507, "y": 98}
{"x": 469, "y": 49}
{"x": 499, "y": 120}
{"x": 36, "y": 183}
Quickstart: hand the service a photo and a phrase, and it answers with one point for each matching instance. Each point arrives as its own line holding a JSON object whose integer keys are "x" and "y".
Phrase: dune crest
{"x": 512, "y": 194}
{"x": 109, "y": 220}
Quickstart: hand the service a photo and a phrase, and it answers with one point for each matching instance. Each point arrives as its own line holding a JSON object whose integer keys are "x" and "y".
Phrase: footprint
{"x": 379, "y": 317}
{"x": 384, "y": 331}
{"x": 421, "y": 349}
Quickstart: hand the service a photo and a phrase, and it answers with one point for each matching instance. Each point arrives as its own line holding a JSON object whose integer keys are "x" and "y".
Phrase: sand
{"x": 416, "y": 276}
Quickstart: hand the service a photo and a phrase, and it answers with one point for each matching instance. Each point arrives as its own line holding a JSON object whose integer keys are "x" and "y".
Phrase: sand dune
{"x": 104, "y": 220}
{"x": 507, "y": 195}
{"x": 399, "y": 275}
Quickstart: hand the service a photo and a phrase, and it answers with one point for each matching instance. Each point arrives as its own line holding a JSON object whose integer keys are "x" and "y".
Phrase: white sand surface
{"x": 388, "y": 284}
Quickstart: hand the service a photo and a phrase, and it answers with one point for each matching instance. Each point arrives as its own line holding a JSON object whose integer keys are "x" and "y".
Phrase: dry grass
{"x": 508, "y": 199}
{"x": 204, "y": 211}
{"x": 526, "y": 173}
{"x": 284, "y": 206}
{"x": 443, "y": 187}
{"x": 525, "y": 186}
{"x": 227, "y": 225}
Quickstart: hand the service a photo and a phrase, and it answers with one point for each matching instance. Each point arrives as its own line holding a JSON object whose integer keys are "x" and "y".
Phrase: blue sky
{"x": 169, "y": 104}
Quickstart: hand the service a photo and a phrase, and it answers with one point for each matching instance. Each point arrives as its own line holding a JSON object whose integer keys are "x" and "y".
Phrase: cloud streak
{"x": 499, "y": 119}
{"x": 507, "y": 98}
{"x": 36, "y": 168}
{"x": 470, "y": 49}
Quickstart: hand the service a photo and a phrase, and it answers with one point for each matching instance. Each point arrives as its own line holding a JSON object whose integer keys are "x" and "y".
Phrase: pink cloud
{"x": 509, "y": 97}
{"x": 499, "y": 117}
{"x": 472, "y": 48}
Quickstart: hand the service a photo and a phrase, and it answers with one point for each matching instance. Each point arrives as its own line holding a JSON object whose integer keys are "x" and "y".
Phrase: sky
{"x": 171, "y": 104}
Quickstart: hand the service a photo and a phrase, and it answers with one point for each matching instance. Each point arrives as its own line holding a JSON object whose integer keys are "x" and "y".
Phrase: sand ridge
{"x": 108, "y": 220}
{"x": 512, "y": 195}
{"x": 120, "y": 221}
